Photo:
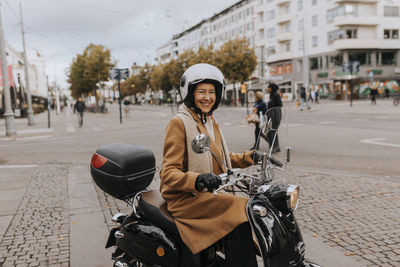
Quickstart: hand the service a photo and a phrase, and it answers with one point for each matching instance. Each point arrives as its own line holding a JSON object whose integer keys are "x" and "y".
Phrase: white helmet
{"x": 201, "y": 73}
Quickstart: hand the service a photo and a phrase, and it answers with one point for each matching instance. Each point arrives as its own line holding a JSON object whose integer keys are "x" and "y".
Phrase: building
{"x": 307, "y": 42}
{"x": 37, "y": 80}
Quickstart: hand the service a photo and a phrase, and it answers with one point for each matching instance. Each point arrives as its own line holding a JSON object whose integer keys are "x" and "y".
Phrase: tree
{"x": 139, "y": 81}
{"x": 237, "y": 61}
{"x": 159, "y": 79}
{"x": 89, "y": 69}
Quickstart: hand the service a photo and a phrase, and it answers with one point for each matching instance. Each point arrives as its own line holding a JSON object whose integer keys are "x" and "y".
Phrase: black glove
{"x": 209, "y": 181}
{"x": 257, "y": 157}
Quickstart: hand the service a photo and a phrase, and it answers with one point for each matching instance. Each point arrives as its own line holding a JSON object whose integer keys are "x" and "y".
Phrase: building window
{"x": 351, "y": 34}
{"x": 363, "y": 57}
{"x": 389, "y": 58}
{"x": 314, "y": 20}
{"x": 248, "y": 26}
{"x": 287, "y": 47}
{"x": 315, "y": 41}
{"x": 314, "y": 2}
{"x": 314, "y": 63}
{"x": 335, "y": 35}
{"x": 391, "y": 11}
{"x": 337, "y": 60}
{"x": 300, "y": 5}
{"x": 301, "y": 25}
{"x": 287, "y": 27}
{"x": 301, "y": 45}
{"x": 271, "y": 32}
{"x": 391, "y": 34}
{"x": 270, "y": 14}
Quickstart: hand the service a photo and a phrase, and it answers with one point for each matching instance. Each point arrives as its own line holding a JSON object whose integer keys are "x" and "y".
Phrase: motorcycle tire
{"x": 396, "y": 101}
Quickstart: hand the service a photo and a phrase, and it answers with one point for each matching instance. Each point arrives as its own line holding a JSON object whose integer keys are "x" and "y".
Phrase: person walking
{"x": 259, "y": 108}
{"x": 374, "y": 93}
{"x": 203, "y": 218}
{"x": 126, "y": 106}
{"x": 303, "y": 98}
{"x": 275, "y": 113}
{"x": 80, "y": 108}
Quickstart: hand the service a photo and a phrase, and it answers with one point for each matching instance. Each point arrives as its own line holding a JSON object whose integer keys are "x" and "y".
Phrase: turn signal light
{"x": 160, "y": 251}
{"x": 98, "y": 161}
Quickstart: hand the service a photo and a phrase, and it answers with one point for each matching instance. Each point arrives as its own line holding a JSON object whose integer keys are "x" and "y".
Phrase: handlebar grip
{"x": 275, "y": 162}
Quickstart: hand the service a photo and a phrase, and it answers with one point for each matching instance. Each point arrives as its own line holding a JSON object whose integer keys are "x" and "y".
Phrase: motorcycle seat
{"x": 154, "y": 208}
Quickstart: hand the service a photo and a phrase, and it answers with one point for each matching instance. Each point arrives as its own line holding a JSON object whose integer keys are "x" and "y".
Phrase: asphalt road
{"x": 344, "y": 159}
{"x": 330, "y": 136}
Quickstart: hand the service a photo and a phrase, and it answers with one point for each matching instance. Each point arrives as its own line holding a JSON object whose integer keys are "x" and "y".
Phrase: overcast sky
{"x": 131, "y": 29}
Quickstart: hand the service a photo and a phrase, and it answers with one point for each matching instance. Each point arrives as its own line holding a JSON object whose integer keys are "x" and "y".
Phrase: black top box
{"x": 122, "y": 170}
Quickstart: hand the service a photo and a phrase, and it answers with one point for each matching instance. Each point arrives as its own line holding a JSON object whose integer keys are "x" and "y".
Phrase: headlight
{"x": 283, "y": 196}
{"x": 292, "y": 194}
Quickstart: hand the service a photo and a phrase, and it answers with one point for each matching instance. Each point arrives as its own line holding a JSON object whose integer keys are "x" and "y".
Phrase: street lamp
{"x": 8, "y": 113}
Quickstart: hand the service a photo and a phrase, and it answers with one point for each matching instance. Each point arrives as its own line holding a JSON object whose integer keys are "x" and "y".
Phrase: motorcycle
{"x": 149, "y": 236}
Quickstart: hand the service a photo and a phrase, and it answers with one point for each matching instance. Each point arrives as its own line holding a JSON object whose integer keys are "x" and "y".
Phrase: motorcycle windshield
{"x": 274, "y": 136}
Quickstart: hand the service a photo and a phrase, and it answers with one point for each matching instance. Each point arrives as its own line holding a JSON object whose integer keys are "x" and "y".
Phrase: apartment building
{"x": 306, "y": 42}
{"x": 16, "y": 73}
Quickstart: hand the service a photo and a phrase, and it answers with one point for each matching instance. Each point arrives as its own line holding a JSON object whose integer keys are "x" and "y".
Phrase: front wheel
{"x": 396, "y": 101}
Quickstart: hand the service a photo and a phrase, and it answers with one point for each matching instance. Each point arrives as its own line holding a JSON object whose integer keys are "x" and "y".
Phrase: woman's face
{"x": 269, "y": 89}
{"x": 204, "y": 96}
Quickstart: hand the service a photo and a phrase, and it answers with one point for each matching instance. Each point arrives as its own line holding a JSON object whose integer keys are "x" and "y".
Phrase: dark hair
{"x": 273, "y": 87}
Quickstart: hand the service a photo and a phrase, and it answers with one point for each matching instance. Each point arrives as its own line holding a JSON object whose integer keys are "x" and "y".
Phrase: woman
{"x": 274, "y": 112}
{"x": 259, "y": 108}
{"x": 201, "y": 217}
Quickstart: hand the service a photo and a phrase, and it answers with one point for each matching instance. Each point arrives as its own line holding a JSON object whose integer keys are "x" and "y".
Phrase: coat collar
{"x": 216, "y": 144}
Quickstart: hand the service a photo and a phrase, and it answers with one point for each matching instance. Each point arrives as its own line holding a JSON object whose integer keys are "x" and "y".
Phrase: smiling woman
{"x": 204, "y": 96}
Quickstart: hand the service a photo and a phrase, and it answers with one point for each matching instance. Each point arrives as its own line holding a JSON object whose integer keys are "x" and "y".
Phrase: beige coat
{"x": 202, "y": 218}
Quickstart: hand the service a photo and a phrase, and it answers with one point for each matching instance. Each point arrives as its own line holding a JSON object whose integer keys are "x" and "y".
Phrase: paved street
{"x": 344, "y": 159}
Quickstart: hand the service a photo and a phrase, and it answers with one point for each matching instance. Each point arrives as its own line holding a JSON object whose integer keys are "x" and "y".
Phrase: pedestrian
{"x": 126, "y": 106}
{"x": 317, "y": 96}
{"x": 80, "y": 108}
{"x": 312, "y": 95}
{"x": 259, "y": 108}
{"x": 303, "y": 98}
{"x": 275, "y": 113}
{"x": 203, "y": 218}
{"x": 374, "y": 93}
{"x": 387, "y": 92}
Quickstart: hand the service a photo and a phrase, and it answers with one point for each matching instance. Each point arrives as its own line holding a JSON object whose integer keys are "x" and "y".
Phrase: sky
{"x": 131, "y": 29}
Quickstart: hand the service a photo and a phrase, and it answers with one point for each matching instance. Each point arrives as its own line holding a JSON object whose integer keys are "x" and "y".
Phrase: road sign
{"x": 119, "y": 74}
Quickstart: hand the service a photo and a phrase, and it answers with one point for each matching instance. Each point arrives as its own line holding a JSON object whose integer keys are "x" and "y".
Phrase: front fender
{"x": 278, "y": 235}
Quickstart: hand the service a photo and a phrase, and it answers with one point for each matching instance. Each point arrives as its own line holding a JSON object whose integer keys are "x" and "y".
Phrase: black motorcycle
{"x": 149, "y": 236}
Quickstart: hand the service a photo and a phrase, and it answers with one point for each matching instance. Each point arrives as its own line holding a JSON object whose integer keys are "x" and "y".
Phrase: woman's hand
{"x": 257, "y": 157}
{"x": 209, "y": 181}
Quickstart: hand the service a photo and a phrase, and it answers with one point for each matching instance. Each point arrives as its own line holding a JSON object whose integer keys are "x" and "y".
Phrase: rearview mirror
{"x": 201, "y": 143}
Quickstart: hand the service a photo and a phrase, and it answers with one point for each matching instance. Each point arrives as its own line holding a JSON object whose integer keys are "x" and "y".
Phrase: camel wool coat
{"x": 201, "y": 218}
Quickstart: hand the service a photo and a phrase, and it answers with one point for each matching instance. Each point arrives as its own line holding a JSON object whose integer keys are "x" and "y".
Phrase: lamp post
{"x": 28, "y": 89}
{"x": 8, "y": 113}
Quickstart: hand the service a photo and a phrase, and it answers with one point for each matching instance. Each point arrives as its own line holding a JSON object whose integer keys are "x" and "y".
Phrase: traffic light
{"x": 114, "y": 74}
{"x": 124, "y": 73}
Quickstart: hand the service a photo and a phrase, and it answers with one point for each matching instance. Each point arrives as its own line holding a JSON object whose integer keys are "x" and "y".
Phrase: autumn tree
{"x": 159, "y": 79}
{"x": 237, "y": 61}
{"x": 88, "y": 69}
{"x": 139, "y": 82}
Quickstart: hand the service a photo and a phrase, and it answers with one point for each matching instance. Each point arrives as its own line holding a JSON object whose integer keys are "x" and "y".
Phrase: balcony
{"x": 366, "y": 44}
{"x": 357, "y": 1}
{"x": 282, "y": 2}
{"x": 284, "y": 37}
{"x": 279, "y": 57}
{"x": 283, "y": 18}
{"x": 351, "y": 20}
